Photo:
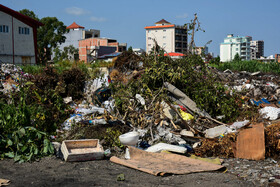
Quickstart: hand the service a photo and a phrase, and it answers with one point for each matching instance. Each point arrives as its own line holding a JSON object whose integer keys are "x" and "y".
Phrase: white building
{"x": 18, "y": 37}
{"x": 170, "y": 37}
{"x": 76, "y": 33}
{"x": 235, "y": 45}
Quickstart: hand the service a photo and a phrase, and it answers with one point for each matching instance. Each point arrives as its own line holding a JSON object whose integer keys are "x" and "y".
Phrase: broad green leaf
{"x": 10, "y": 154}
{"x": 10, "y": 142}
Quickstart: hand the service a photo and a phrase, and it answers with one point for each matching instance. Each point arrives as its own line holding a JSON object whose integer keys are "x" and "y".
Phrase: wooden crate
{"x": 82, "y": 150}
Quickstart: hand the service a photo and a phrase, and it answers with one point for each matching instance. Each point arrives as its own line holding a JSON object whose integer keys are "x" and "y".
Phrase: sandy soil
{"x": 51, "y": 171}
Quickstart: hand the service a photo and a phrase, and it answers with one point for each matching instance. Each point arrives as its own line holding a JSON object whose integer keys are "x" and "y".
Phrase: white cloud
{"x": 76, "y": 11}
{"x": 183, "y": 16}
{"x": 97, "y": 19}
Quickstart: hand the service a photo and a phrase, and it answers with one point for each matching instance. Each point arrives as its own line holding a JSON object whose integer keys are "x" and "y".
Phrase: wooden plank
{"x": 250, "y": 143}
{"x": 82, "y": 150}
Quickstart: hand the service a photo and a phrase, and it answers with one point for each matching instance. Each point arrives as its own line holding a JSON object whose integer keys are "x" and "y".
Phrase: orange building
{"x": 91, "y": 48}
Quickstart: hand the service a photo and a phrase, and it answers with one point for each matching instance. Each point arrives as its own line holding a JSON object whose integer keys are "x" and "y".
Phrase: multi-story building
{"x": 92, "y": 48}
{"x": 235, "y": 45}
{"x": 257, "y": 49}
{"x": 170, "y": 37}
{"x": 18, "y": 37}
{"x": 76, "y": 33}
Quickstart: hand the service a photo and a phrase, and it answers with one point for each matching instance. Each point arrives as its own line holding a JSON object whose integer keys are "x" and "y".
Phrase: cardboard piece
{"x": 250, "y": 143}
{"x": 164, "y": 163}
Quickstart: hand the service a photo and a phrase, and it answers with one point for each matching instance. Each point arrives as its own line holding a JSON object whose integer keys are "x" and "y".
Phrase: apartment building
{"x": 170, "y": 37}
{"x": 257, "y": 49}
{"x": 18, "y": 37}
{"x": 235, "y": 45}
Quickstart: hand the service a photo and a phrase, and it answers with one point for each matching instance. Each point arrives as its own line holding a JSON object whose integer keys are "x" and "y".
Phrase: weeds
{"x": 250, "y": 66}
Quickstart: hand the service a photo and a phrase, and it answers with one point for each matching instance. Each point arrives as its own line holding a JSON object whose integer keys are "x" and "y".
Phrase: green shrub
{"x": 32, "y": 69}
{"x": 190, "y": 75}
{"x": 26, "y": 121}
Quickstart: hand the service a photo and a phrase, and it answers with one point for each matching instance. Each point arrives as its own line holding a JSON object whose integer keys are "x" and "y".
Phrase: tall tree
{"x": 29, "y": 13}
{"x": 48, "y": 36}
{"x": 193, "y": 26}
{"x": 236, "y": 57}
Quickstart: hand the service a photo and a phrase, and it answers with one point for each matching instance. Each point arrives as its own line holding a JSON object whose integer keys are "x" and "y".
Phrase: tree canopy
{"x": 49, "y": 36}
{"x": 236, "y": 57}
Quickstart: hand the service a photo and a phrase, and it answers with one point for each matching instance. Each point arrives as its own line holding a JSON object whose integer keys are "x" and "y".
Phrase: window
{"x": 164, "y": 30}
{"x": 23, "y": 30}
{"x": 236, "y": 49}
{"x": 4, "y": 28}
{"x": 164, "y": 43}
{"x": 149, "y": 44}
{"x": 149, "y": 38}
{"x": 149, "y": 31}
{"x": 164, "y": 36}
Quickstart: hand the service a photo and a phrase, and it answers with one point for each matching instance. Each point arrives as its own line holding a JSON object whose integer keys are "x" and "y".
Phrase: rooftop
{"x": 162, "y": 21}
{"x": 174, "y": 54}
{"x": 74, "y": 25}
{"x": 25, "y": 19}
{"x": 160, "y": 26}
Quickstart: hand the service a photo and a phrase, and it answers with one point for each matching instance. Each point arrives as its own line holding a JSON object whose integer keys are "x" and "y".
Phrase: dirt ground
{"x": 51, "y": 171}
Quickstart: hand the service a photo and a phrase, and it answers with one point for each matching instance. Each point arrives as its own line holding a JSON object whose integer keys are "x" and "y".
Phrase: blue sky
{"x": 125, "y": 20}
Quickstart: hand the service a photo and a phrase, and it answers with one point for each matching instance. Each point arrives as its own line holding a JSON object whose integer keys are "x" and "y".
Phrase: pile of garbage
{"x": 143, "y": 112}
{"x": 172, "y": 117}
{"x": 10, "y": 76}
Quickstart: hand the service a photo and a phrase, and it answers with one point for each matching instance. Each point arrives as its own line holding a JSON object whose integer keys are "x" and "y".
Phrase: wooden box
{"x": 82, "y": 150}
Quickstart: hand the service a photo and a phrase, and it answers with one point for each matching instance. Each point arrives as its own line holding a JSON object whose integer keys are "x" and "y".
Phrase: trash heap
{"x": 147, "y": 105}
{"x": 140, "y": 98}
{"x": 10, "y": 76}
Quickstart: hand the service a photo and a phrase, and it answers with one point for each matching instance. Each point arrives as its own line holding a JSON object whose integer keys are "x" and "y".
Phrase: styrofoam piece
{"x": 168, "y": 147}
{"x": 216, "y": 131}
